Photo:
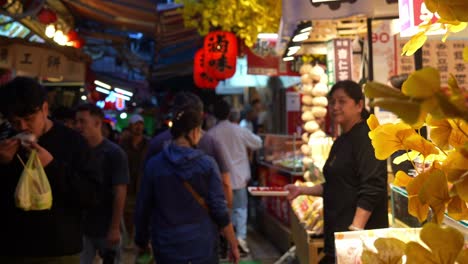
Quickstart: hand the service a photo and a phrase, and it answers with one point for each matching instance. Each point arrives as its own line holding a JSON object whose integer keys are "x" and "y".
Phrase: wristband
{"x": 353, "y": 228}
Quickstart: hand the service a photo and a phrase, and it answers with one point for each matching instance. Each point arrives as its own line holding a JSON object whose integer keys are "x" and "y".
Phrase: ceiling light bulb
{"x": 301, "y": 37}
{"x": 50, "y": 31}
{"x": 60, "y": 38}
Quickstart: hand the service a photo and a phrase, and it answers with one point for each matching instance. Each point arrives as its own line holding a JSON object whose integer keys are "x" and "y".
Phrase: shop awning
{"x": 241, "y": 80}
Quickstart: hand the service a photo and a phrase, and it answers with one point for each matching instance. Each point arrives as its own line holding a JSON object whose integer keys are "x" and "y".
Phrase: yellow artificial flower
{"x": 385, "y": 139}
{"x": 457, "y": 209}
{"x": 372, "y": 122}
{"x": 415, "y": 43}
{"x": 422, "y": 83}
{"x": 416, "y": 207}
{"x": 415, "y": 141}
{"x": 440, "y": 131}
{"x": 445, "y": 245}
{"x": 449, "y": 9}
{"x": 458, "y": 136}
{"x": 402, "y": 179}
{"x": 434, "y": 192}
{"x": 411, "y": 155}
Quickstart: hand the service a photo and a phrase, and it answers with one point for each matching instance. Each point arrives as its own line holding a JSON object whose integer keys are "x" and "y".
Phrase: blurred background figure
{"x": 102, "y": 223}
{"x": 136, "y": 146}
{"x": 234, "y": 116}
{"x": 64, "y": 115}
{"x": 108, "y": 131}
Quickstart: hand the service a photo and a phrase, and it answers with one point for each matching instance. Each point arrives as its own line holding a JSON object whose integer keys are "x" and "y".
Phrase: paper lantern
{"x": 47, "y": 16}
{"x": 72, "y": 35}
{"x": 200, "y": 76}
{"x": 78, "y": 43}
{"x": 220, "y": 49}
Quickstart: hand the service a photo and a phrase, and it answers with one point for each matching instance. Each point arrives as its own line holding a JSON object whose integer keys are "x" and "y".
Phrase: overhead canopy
{"x": 125, "y": 15}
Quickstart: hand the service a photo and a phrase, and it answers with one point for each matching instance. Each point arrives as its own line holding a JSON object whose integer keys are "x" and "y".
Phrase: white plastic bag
{"x": 33, "y": 189}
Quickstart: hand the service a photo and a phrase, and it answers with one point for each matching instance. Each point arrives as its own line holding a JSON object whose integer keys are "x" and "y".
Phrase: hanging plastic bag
{"x": 33, "y": 189}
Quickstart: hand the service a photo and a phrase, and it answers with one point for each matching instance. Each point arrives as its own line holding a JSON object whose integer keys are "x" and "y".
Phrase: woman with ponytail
{"x": 181, "y": 198}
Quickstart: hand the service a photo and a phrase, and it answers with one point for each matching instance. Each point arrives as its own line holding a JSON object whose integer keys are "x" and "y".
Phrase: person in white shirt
{"x": 250, "y": 117}
{"x": 235, "y": 141}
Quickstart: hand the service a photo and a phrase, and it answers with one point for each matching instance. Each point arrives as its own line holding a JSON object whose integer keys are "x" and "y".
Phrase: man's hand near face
{"x": 8, "y": 149}
{"x": 44, "y": 156}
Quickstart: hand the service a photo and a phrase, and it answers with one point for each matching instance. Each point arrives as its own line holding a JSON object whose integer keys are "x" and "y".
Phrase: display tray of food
{"x": 289, "y": 163}
{"x": 267, "y": 191}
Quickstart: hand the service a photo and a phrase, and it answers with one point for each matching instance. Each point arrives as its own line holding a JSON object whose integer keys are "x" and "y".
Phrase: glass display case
{"x": 281, "y": 152}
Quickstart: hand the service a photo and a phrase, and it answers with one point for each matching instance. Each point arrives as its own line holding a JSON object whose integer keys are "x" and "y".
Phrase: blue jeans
{"x": 91, "y": 245}
{"x": 239, "y": 212}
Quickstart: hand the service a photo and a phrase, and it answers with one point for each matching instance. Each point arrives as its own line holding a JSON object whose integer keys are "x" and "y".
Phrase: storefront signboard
{"x": 28, "y": 60}
{"x": 339, "y": 59}
{"x": 33, "y": 61}
{"x": 446, "y": 57}
{"x": 53, "y": 65}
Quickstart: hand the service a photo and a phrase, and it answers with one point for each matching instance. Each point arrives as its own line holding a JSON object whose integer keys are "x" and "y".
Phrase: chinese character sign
{"x": 200, "y": 76}
{"x": 6, "y": 57}
{"x": 342, "y": 58}
{"x": 28, "y": 60}
{"x": 446, "y": 57}
{"x": 53, "y": 65}
{"x": 220, "y": 48}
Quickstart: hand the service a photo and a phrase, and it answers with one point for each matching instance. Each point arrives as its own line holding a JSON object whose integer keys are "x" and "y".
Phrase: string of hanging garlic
{"x": 314, "y": 106}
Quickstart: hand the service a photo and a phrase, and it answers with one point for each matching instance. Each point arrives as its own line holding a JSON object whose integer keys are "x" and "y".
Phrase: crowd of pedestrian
{"x": 177, "y": 195}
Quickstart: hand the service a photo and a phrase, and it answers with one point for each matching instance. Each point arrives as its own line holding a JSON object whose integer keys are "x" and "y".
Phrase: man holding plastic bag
{"x": 47, "y": 230}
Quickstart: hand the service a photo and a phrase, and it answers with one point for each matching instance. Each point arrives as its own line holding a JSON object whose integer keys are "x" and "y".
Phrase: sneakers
{"x": 243, "y": 246}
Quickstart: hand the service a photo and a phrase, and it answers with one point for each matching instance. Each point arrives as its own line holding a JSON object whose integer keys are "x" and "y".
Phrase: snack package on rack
{"x": 309, "y": 211}
{"x": 33, "y": 190}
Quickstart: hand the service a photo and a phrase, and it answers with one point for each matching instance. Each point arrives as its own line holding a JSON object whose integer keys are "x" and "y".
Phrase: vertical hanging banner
{"x": 28, "y": 60}
{"x": 220, "y": 49}
{"x": 339, "y": 60}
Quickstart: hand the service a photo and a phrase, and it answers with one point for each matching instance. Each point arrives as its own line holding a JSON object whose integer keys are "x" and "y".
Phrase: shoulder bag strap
{"x": 197, "y": 196}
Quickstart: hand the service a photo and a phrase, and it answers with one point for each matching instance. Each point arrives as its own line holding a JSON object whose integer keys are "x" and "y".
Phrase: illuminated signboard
{"x": 17, "y": 30}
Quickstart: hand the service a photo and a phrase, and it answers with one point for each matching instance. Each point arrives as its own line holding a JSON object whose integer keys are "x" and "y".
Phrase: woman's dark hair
{"x": 398, "y": 80}
{"x": 185, "y": 119}
{"x": 354, "y": 91}
{"x": 21, "y": 97}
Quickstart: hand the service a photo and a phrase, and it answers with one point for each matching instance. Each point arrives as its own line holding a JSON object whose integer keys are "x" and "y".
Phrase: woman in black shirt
{"x": 355, "y": 191}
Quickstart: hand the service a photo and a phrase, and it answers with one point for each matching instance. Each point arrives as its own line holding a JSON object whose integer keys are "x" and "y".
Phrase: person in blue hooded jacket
{"x": 181, "y": 229}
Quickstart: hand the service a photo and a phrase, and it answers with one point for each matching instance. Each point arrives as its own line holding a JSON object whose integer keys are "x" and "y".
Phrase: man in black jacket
{"x": 47, "y": 236}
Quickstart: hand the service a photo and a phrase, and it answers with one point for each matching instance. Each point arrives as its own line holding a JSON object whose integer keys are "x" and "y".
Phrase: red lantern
{"x": 79, "y": 43}
{"x": 3, "y": 2}
{"x": 220, "y": 54}
{"x": 72, "y": 35}
{"x": 47, "y": 16}
{"x": 200, "y": 77}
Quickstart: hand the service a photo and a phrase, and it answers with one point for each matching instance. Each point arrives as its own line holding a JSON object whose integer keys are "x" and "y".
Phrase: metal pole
{"x": 370, "y": 58}
{"x": 418, "y": 59}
